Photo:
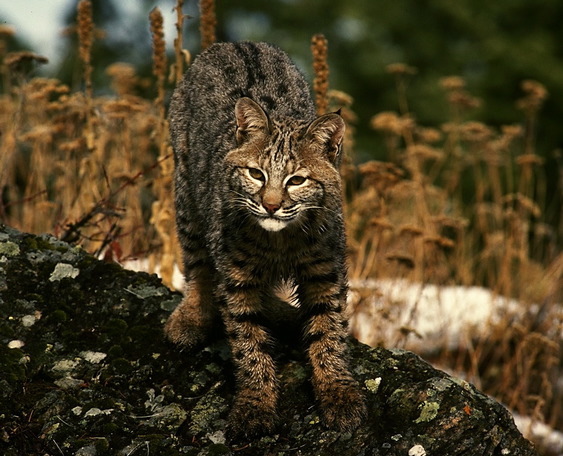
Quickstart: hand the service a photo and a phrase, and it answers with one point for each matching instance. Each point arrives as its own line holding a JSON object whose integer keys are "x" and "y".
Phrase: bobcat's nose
{"x": 271, "y": 207}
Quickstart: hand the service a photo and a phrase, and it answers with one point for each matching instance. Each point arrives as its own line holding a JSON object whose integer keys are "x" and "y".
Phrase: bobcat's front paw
{"x": 183, "y": 329}
{"x": 249, "y": 419}
{"x": 343, "y": 406}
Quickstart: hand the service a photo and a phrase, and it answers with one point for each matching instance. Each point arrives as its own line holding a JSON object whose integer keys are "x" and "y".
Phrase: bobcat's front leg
{"x": 340, "y": 398}
{"x": 192, "y": 322}
{"x": 254, "y": 408}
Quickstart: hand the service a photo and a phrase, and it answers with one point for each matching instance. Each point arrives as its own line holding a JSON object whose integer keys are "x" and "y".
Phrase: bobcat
{"x": 258, "y": 203}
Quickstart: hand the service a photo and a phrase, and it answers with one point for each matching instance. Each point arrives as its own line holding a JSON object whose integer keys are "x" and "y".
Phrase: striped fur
{"x": 258, "y": 203}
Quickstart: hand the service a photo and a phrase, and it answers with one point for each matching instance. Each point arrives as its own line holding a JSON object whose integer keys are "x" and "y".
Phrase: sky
{"x": 40, "y": 22}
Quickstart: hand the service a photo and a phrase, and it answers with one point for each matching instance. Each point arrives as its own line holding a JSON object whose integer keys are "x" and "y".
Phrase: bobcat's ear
{"x": 250, "y": 118}
{"x": 327, "y": 131}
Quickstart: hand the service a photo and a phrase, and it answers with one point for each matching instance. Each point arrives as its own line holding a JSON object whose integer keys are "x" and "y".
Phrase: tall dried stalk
{"x": 208, "y": 23}
{"x": 162, "y": 212}
{"x": 85, "y": 42}
{"x": 181, "y": 54}
{"x": 158, "y": 57}
{"x": 319, "y": 49}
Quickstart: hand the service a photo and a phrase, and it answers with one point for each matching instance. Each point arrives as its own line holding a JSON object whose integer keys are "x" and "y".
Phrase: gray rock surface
{"x": 85, "y": 370}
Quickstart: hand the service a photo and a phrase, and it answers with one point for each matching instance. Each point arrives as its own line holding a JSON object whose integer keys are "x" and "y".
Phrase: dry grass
{"x": 460, "y": 204}
{"x": 457, "y": 204}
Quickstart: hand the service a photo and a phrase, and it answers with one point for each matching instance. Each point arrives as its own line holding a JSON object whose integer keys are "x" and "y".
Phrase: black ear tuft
{"x": 250, "y": 119}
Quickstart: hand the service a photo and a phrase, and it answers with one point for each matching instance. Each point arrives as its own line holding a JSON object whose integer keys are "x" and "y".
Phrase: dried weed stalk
{"x": 182, "y": 55}
{"x": 319, "y": 49}
{"x": 85, "y": 41}
{"x": 413, "y": 218}
{"x": 208, "y": 23}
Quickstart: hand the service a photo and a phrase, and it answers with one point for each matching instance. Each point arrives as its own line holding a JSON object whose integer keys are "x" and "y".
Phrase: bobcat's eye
{"x": 255, "y": 173}
{"x": 296, "y": 180}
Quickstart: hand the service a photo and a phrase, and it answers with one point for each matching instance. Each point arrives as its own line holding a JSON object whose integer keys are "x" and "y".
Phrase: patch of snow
{"x": 544, "y": 436}
{"x": 389, "y": 311}
{"x": 142, "y": 265}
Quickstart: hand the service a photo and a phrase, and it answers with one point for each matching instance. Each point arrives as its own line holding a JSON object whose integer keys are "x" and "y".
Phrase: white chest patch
{"x": 286, "y": 290}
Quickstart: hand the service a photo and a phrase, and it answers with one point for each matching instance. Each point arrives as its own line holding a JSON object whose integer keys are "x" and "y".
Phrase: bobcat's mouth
{"x": 275, "y": 220}
{"x": 272, "y": 223}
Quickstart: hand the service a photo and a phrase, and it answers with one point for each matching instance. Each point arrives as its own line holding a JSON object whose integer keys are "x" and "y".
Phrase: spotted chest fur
{"x": 258, "y": 203}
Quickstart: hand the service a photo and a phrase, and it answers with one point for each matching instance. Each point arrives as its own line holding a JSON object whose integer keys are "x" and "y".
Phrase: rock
{"x": 85, "y": 369}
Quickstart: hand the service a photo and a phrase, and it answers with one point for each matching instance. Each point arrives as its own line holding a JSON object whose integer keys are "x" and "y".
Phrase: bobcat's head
{"x": 279, "y": 171}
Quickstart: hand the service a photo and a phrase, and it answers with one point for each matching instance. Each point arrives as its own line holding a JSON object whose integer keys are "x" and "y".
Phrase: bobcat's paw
{"x": 343, "y": 406}
{"x": 249, "y": 419}
{"x": 185, "y": 331}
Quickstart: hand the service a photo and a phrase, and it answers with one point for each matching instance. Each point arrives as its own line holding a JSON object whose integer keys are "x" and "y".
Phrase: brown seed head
{"x": 475, "y": 132}
{"x": 529, "y": 159}
{"x": 319, "y": 49}
{"x": 158, "y": 43}
{"x": 208, "y": 23}
{"x": 391, "y": 122}
{"x": 85, "y": 30}
{"x": 7, "y": 30}
{"x": 452, "y": 83}
{"x": 400, "y": 69}
{"x": 535, "y": 95}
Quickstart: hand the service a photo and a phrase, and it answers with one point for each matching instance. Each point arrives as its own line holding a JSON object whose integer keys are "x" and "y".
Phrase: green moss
{"x": 101, "y": 444}
{"x": 115, "y": 326}
{"x": 110, "y": 428}
{"x": 10, "y": 365}
{"x": 213, "y": 368}
{"x": 6, "y": 330}
{"x": 217, "y": 449}
{"x": 115, "y": 351}
{"x": 121, "y": 366}
{"x": 38, "y": 243}
{"x": 59, "y": 316}
{"x": 146, "y": 332}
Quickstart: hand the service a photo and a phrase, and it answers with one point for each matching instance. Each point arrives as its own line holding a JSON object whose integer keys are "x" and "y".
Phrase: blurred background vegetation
{"x": 494, "y": 46}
